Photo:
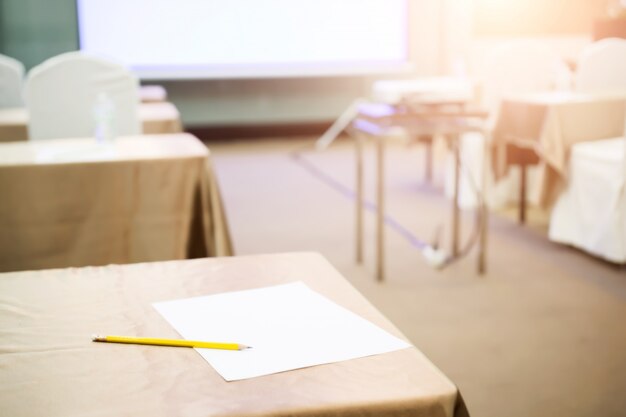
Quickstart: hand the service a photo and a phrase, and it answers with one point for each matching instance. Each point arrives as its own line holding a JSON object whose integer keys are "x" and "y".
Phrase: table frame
{"x": 447, "y": 124}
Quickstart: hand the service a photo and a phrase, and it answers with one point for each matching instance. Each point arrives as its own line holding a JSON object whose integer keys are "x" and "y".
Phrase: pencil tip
{"x": 244, "y": 347}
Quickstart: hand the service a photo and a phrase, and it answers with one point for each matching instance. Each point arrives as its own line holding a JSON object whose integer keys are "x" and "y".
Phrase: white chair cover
{"x": 11, "y": 78}
{"x": 602, "y": 67}
{"x": 517, "y": 67}
{"x": 61, "y": 94}
{"x": 591, "y": 213}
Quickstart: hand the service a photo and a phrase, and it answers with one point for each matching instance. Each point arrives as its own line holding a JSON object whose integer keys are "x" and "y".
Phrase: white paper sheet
{"x": 288, "y": 326}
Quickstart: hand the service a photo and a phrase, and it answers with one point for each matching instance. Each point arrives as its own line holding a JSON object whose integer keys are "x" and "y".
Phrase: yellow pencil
{"x": 168, "y": 342}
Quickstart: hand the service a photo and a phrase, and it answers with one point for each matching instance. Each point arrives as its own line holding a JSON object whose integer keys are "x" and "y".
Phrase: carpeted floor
{"x": 541, "y": 334}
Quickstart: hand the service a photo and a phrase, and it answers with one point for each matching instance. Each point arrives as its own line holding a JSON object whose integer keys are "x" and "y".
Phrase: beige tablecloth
{"x": 49, "y": 366}
{"x": 156, "y": 117}
{"x": 549, "y": 124}
{"x": 73, "y": 202}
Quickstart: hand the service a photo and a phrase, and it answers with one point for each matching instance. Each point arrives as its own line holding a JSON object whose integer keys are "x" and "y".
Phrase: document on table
{"x": 288, "y": 326}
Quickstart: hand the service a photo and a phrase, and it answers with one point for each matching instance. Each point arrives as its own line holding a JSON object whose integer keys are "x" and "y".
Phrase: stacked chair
{"x": 515, "y": 68}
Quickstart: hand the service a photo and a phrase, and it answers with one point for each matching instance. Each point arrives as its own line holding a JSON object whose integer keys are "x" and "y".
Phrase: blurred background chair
{"x": 602, "y": 67}
{"x": 591, "y": 213}
{"x": 514, "y": 68}
{"x": 518, "y": 68}
{"x": 11, "y": 79}
{"x": 62, "y": 92}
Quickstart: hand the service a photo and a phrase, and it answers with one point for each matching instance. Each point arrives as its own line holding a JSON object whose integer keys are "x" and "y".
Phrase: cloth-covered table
{"x": 49, "y": 366}
{"x": 156, "y": 117}
{"x": 74, "y": 202}
{"x": 549, "y": 124}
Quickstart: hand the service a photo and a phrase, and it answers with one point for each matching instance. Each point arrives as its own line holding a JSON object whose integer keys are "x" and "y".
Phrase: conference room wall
{"x": 34, "y": 30}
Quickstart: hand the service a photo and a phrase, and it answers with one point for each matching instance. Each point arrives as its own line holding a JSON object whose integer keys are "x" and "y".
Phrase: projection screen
{"x": 179, "y": 39}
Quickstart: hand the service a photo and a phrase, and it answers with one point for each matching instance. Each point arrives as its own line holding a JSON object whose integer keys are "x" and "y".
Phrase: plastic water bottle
{"x": 104, "y": 118}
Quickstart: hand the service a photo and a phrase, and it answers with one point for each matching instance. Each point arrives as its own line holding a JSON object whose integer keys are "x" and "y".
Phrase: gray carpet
{"x": 541, "y": 334}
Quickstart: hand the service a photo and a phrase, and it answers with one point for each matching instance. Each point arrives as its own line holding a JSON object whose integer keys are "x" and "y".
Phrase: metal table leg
{"x": 380, "y": 214}
{"x": 522, "y": 194}
{"x": 359, "y": 198}
{"x": 456, "y": 219}
{"x": 484, "y": 214}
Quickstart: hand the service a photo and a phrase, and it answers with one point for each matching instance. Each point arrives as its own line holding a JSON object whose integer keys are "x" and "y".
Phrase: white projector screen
{"x": 174, "y": 39}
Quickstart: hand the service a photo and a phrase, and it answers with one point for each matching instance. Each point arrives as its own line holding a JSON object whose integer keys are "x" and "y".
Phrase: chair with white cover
{"x": 512, "y": 68}
{"x": 520, "y": 67}
{"x": 590, "y": 214}
{"x": 62, "y": 92}
{"x": 11, "y": 80}
{"x": 602, "y": 67}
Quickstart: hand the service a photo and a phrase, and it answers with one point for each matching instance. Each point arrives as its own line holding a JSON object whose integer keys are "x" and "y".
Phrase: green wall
{"x": 34, "y": 30}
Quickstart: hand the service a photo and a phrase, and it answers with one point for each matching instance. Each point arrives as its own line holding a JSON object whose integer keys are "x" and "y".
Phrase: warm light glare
{"x": 536, "y": 17}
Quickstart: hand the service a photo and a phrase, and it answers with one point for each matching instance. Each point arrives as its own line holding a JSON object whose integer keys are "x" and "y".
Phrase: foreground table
{"x": 156, "y": 117}
{"x": 49, "y": 366}
{"x": 74, "y": 202}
